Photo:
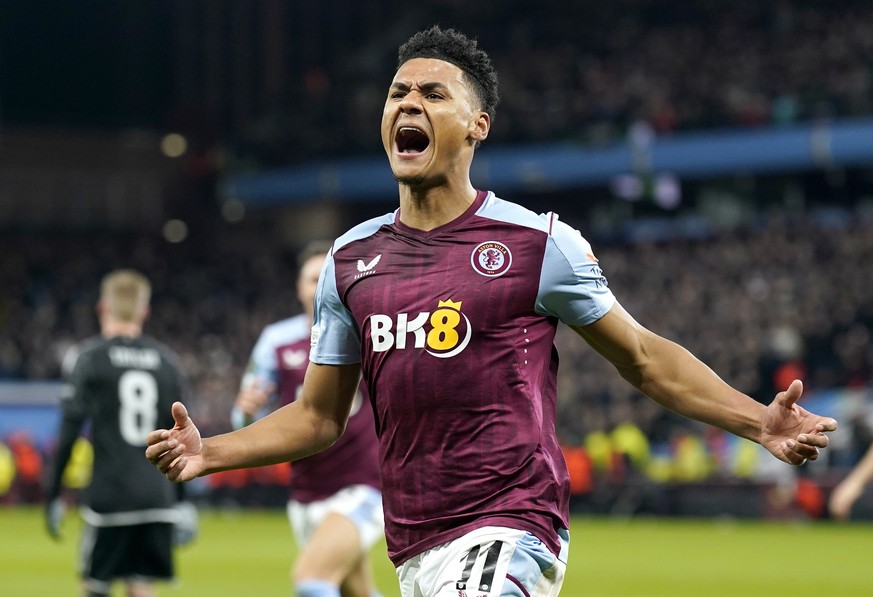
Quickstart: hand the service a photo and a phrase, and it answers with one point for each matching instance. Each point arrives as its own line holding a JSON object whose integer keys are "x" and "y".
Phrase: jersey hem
{"x": 549, "y": 537}
{"x": 130, "y": 518}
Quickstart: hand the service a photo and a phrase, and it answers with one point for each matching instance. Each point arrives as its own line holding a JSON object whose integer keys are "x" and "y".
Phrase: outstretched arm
{"x": 849, "y": 490}
{"x": 308, "y": 425}
{"x": 676, "y": 379}
{"x": 55, "y": 507}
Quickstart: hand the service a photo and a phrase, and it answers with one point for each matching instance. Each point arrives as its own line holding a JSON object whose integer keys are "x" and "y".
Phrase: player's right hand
{"x": 254, "y": 397}
{"x": 177, "y": 452}
{"x": 54, "y": 517}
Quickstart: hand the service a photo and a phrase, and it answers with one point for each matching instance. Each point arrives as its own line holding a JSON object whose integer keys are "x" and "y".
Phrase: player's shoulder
{"x": 564, "y": 237}
{"x": 363, "y": 230}
{"x": 82, "y": 352}
{"x": 502, "y": 210}
{"x": 167, "y": 354}
{"x": 92, "y": 344}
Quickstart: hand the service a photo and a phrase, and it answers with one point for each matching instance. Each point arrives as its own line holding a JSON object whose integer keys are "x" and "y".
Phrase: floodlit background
{"x": 718, "y": 155}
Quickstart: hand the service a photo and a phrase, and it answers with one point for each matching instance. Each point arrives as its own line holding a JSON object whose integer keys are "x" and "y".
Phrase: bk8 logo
{"x": 443, "y": 333}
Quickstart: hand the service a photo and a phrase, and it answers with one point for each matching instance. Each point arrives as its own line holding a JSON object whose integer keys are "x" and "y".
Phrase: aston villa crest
{"x": 491, "y": 259}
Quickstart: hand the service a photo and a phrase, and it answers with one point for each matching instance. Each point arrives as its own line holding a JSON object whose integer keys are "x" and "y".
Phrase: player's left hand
{"x": 54, "y": 517}
{"x": 791, "y": 433}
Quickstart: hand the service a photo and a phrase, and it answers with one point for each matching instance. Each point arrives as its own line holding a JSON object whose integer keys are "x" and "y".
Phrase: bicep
{"x": 309, "y": 424}
{"x": 619, "y": 338}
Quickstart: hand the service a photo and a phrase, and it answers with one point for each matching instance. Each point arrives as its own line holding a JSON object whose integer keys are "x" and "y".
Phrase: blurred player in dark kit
{"x": 449, "y": 306}
{"x": 122, "y": 383}
{"x": 335, "y": 507}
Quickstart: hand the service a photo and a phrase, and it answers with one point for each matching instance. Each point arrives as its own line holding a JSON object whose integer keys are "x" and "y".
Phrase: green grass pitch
{"x": 249, "y": 553}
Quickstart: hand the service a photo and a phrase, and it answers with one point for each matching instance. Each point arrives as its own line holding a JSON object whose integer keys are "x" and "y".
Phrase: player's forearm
{"x": 863, "y": 471}
{"x": 290, "y": 433}
{"x": 679, "y": 381}
{"x": 67, "y": 436}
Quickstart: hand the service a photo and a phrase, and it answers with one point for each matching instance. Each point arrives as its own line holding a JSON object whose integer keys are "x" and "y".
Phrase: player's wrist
{"x": 210, "y": 457}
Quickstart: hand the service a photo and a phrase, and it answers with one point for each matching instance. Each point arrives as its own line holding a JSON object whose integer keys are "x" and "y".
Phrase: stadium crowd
{"x": 760, "y": 304}
{"x": 565, "y": 77}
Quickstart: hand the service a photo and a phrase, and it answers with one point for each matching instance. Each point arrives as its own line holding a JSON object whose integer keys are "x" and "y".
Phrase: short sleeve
{"x": 572, "y": 285}
{"x": 262, "y": 364}
{"x": 335, "y": 339}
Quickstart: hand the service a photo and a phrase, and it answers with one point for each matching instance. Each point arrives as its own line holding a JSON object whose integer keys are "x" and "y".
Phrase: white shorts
{"x": 487, "y": 562}
{"x": 359, "y": 503}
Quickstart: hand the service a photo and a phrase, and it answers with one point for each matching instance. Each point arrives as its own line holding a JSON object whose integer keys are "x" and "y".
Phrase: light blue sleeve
{"x": 262, "y": 367}
{"x": 335, "y": 339}
{"x": 572, "y": 285}
{"x": 262, "y": 362}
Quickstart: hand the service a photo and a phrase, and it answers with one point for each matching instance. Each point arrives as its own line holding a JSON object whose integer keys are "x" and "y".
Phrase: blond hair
{"x": 126, "y": 294}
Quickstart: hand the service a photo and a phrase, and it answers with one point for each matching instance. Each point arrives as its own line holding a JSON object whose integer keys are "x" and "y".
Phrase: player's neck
{"x": 110, "y": 328}
{"x": 432, "y": 207}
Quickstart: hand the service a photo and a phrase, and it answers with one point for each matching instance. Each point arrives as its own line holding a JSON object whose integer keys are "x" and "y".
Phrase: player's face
{"x": 431, "y": 119}
{"x": 307, "y": 282}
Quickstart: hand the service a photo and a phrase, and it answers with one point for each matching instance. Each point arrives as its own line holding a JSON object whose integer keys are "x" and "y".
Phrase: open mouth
{"x": 411, "y": 140}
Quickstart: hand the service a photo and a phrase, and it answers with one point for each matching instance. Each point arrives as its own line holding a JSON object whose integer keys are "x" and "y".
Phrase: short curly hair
{"x": 455, "y": 47}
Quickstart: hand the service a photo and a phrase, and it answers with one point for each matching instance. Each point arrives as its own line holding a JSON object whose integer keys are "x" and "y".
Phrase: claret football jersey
{"x": 454, "y": 330}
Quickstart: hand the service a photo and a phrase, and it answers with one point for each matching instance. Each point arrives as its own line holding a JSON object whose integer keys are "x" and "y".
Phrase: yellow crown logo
{"x": 450, "y": 304}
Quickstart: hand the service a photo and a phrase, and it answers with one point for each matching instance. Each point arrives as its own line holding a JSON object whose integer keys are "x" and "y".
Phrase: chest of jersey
{"x": 438, "y": 294}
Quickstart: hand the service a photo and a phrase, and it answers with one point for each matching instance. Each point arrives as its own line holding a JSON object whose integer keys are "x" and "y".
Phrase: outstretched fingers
{"x": 156, "y": 442}
{"x": 164, "y": 452}
{"x": 174, "y": 470}
{"x": 172, "y": 450}
{"x": 807, "y": 445}
{"x": 801, "y": 434}
{"x": 789, "y": 397}
{"x": 814, "y": 440}
{"x": 180, "y": 415}
{"x": 797, "y": 452}
{"x": 823, "y": 425}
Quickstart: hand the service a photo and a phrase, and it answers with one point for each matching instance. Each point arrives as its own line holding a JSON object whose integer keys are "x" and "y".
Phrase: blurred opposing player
{"x": 449, "y": 306}
{"x": 123, "y": 383}
{"x": 335, "y": 507}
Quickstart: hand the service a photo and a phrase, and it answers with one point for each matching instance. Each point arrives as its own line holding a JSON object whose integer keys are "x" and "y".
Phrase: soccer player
{"x": 336, "y": 505}
{"x": 123, "y": 383}
{"x": 449, "y": 306}
{"x": 847, "y": 492}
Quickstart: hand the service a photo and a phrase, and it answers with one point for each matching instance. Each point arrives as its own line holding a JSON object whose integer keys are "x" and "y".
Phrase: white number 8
{"x": 138, "y": 415}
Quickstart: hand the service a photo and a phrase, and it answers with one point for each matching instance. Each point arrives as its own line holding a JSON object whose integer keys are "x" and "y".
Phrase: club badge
{"x": 491, "y": 259}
